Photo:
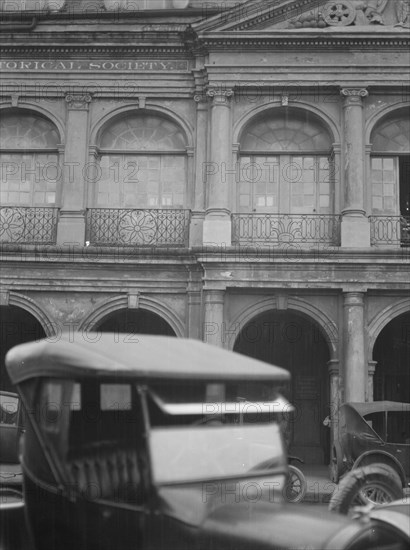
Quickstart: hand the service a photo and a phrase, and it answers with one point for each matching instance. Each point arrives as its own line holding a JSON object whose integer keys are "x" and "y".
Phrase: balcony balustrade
{"x": 122, "y": 227}
{"x": 267, "y": 229}
{"x": 28, "y": 225}
{"x": 390, "y": 230}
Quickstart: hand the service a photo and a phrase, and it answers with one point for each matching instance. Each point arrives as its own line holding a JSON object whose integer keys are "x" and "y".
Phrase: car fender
{"x": 373, "y": 457}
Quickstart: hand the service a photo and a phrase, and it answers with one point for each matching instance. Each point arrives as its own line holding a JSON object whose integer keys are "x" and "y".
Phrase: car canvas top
{"x": 378, "y": 406}
{"x": 139, "y": 357}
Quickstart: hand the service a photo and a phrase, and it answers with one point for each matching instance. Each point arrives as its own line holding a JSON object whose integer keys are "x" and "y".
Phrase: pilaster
{"x": 217, "y": 224}
{"x": 71, "y": 226}
{"x": 355, "y": 230}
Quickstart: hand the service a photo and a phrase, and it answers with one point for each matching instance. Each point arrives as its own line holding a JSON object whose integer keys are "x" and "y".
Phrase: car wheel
{"x": 374, "y": 484}
{"x": 295, "y": 486}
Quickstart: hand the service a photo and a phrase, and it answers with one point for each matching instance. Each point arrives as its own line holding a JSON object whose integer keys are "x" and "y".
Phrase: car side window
{"x": 9, "y": 407}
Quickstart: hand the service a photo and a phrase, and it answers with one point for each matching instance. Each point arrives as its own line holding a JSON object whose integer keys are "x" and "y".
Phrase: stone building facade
{"x": 236, "y": 172}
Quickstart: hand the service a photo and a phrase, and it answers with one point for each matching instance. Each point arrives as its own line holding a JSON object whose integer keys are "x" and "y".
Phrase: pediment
{"x": 322, "y": 15}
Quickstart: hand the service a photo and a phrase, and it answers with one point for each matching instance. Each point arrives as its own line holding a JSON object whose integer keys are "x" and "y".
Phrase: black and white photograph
{"x": 205, "y": 274}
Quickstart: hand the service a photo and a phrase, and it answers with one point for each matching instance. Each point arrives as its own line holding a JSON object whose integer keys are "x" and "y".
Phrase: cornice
{"x": 57, "y": 52}
{"x": 306, "y": 41}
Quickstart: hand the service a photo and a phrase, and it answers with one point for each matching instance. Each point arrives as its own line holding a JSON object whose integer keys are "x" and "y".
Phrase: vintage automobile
{"x": 161, "y": 443}
{"x": 371, "y": 453}
{"x": 372, "y": 433}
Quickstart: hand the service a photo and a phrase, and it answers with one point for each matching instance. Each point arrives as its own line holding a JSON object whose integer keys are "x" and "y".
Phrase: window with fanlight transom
{"x": 143, "y": 164}
{"x": 29, "y": 163}
{"x": 285, "y": 165}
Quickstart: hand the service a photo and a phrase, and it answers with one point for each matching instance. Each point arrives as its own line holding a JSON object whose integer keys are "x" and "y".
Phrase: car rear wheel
{"x": 295, "y": 486}
{"x": 375, "y": 484}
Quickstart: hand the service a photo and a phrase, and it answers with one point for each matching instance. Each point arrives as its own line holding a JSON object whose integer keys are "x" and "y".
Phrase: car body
{"x": 161, "y": 443}
{"x": 373, "y": 433}
{"x": 396, "y": 514}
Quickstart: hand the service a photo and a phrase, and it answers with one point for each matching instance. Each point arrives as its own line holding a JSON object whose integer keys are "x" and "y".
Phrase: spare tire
{"x": 374, "y": 484}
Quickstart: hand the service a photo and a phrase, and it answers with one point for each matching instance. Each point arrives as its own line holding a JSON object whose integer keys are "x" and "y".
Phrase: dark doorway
{"x": 17, "y": 327}
{"x": 392, "y": 353}
{"x": 135, "y": 321}
{"x": 296, "y": 343}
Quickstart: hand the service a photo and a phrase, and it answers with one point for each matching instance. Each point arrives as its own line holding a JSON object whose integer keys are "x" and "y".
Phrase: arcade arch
{"x": 391, "y": 354}
{"x": 292, "y": 340}
{"x": 17, "y": 327}
{"x": 131, "y": 322}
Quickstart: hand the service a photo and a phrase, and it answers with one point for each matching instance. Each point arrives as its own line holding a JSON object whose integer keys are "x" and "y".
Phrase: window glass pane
{"x": 377, "y": 163}
{"x": 143, "y": 133}
{"x": 115, "y": 397}
{"x": 25, "y": 178}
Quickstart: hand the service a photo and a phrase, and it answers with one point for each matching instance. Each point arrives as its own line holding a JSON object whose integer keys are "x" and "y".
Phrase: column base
{"x": 71, "y": 228}
{"x": 355, "y": 232}
{"x": 217, "y": 229}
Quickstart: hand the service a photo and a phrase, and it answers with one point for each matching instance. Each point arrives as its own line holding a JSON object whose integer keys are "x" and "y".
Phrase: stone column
{"x": 214, "y": 317}
{"x": 213, "y": 334}
{"x": 355, "y": 225}
{"x": 354, "y": 348}
{"x": 198, "y": 210}
{"x": 218, "y": 171}
{"x": 371, "y": 369}
{"x": 334, "y": 396}
{"x": 71, "y": 227}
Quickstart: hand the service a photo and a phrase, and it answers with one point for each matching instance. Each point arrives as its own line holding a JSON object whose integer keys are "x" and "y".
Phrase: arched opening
{"x": 31, "y": 175}
{"x": 392, "y": 354}
{"x": 296, "y": 343}
{"x": 285, "y": 160}
{"x": 17, "y": 327}
{"x": 135, "y": 321}
{"x": 143, "y": 163}
{"x": 390, "y": 169}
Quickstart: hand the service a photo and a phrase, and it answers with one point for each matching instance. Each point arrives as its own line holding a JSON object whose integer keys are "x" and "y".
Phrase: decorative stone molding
{"x": 134, "y": 300}
{"x": 15, "y": 100}
{"x": 4, "y": 298}
{"x": 78, "y": 102}
{"x": 200, "y": 98}
{"x": 353, "y": 96}
{"x": 219, "y": 96}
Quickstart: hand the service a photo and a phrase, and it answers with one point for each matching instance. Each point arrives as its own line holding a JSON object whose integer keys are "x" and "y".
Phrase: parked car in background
{"x": 162, "y": 444}
{"x": 372, "y": 453}
{"x": 370, "y": 433}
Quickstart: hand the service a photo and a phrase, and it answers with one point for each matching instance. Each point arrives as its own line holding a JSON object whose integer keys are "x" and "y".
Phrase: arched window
{"x": 143, "y": 164}
{"x": 28, "y": 160}
{"x": 390, "y": 165}
{"x": 284, "y": 165}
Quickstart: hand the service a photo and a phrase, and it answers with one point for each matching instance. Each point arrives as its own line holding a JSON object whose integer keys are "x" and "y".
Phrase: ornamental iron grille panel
{"x": 28, "y": 225}
{"x": 286, "y": 228}
{"x": 109, "y": 227}
{"x": 390, "y": 230}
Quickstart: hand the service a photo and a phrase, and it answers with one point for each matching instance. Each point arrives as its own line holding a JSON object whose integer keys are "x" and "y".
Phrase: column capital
{"x": 220, "y": 96}
{"x": 371, "y": 367}
{"x": 353, "y": 299}
{"x": 78, "y": 102}
{"x": 354, "y": 96}
{"x": 333, "y": 367}
{"x": 214, "y": 296}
